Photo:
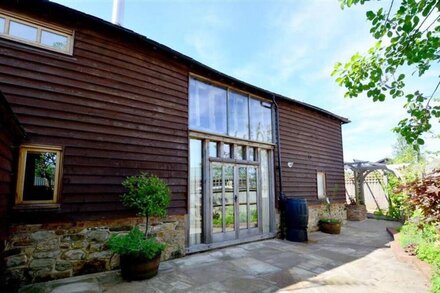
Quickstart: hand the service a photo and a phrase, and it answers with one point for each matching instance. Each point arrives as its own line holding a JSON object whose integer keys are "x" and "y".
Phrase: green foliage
{"x": 426, "y": 238}
{"x": 148, "y": 194}
{"x": 406, "y": 39}
{"x": 135, "y": 244}
{"x": 397, "y": 201}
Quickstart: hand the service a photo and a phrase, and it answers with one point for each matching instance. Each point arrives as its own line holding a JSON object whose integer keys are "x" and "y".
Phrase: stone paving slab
{"x": 357, "y": 260}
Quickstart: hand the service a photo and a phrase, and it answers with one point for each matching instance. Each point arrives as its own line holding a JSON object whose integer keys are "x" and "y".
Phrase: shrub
{"x": 135, "y": 244}
{"x": 148, "y": 194}
{"x": 424, "y": 194}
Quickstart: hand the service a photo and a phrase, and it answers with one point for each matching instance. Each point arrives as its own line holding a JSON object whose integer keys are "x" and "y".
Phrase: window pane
{"x": 229, "y": 199}
{"x": 207, "y": 107}
{"x": 2, "y": 25}
{"x": 252, "y": 197}
{"x": 242, "y": 196}
{"x": 265, "y": 216}
{"x": 321, "y": 184}
{"x": 261, "y": 121}
{"x": 217, "y": 199}
{"x": 39, "y": 177}
{"x": 212, "y": 146}
{"x": 195, "y": 190}
{"x": 238, "y": 117}
{"x": 251, "y": 154}
{"x": 240, "y": 152}
{"x": 22, "y": 31}
{"x": 226, "y": 151}
{"x": 54, "y": 40}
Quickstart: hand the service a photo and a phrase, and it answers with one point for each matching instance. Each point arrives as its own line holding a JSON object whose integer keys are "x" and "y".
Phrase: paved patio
{"x": 358, "y": 260}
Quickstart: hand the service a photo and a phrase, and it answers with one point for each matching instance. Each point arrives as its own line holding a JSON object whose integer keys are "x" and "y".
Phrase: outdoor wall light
{"x": 290, "y": 164}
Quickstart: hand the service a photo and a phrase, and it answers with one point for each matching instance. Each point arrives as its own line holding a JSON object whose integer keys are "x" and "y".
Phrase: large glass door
{"x": 223, "y": 201}
{"x": 234, "y": 201}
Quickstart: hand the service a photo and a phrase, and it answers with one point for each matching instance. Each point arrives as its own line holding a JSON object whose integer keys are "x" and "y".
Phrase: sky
{"x": 288, "y": 47}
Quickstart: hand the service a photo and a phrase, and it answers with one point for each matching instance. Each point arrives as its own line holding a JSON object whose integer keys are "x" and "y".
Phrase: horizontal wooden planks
{"x": 115, "y": 114}
{"x": 313, "y": 142}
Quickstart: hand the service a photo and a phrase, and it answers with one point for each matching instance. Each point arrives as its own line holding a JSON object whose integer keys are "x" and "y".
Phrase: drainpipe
{"x": 281, "y": 195}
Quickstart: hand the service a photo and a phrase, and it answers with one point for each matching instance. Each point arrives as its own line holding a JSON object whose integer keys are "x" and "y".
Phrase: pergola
{"x": 360, "y": 171}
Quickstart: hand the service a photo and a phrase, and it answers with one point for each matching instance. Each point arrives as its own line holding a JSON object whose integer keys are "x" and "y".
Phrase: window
{"x": 321, "y": 185}
{"x": 207, "y": 107}
{"x": 38, "y": 174}
{"x": 212, "y": 146}
{"x": 36, "y": 34}
{"x": 224, "y": 111}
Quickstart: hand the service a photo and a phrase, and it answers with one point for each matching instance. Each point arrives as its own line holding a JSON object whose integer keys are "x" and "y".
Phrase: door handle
{"x": 235, "y": 198}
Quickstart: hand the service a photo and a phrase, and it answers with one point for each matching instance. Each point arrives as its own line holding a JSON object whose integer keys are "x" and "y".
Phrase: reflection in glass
{"x": 226, "y": 151}
{"x": 217, "y": 199}
{"x": 265, "y": 216}
{"x": 240, "y": 152}
{"x": 2, "y": 25}
{"x": 212, "y": 149}
{"x": 207, "y": 107}
{"x": 251, "y": 154}
{"x": 195, "y": 189}
{"x": 53, "y": 40}
{"x": 238, "y": 117}
{"x": 260, "y": 121}
{"x": 242, "y": 194}
{"x": 229, "y": 198}
{"x": 22, "y": 31}
{"x": 252, "y": 197}
{"x": 39, "y": 177}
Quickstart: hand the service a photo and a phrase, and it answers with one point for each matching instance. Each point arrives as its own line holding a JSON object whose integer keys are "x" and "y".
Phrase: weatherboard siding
{"x": 313, "y": 142}
{"x": 116, "y": 109}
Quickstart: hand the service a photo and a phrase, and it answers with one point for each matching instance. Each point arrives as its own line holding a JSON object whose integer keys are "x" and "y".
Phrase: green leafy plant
{"x": 148, "y": 194}
{"x": 408, "y": 40}
{"x": 328, "y": 210}
{"x": 135, "y": 244}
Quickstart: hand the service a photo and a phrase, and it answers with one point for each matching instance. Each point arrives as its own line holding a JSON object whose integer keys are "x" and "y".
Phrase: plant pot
{"x": 139, "y": 268}
{"x": 356, "y": 212}
{"x": 330, "y": 227}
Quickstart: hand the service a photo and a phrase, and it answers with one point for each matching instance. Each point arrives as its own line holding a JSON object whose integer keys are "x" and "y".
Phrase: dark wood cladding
{"x": 116, "y": 108}
{"x": 11, "y": 134}
{"x": 313, "y": 142}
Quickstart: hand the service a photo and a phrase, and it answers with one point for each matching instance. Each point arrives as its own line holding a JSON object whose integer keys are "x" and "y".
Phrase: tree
{"x": 407, "y": 39}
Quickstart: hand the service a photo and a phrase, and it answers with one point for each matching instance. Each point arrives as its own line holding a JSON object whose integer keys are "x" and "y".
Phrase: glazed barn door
{"x": 223, "y": 202}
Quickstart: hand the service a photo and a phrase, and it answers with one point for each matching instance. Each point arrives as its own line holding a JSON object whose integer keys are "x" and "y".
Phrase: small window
{"x": 251, "y": 154}
{"x": 321, "y": 185}
{"x": 227, "y": 151}
{"x": 240, "y": 152}
{"x": 35, "y": 33}
{"x": 38, "y": 174}
{"x": 212, "y": 149}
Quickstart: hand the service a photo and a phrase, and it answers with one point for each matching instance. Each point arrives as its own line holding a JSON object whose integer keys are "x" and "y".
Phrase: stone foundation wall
{"x": 51, "y": 251}
{"x": 317, "y": 212}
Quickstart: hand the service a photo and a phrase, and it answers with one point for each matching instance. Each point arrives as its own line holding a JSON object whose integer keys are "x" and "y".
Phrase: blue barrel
{"x": 296, "y": 219}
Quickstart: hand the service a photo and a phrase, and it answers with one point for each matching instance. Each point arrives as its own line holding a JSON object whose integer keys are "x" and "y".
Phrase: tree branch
{"x": 433, "y": 93}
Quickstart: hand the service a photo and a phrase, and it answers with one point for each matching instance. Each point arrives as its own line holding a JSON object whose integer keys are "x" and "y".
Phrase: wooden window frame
{"x": 24, "y": 149}
{"x": 40, "y": 26}
{"x": 324, "y": 181}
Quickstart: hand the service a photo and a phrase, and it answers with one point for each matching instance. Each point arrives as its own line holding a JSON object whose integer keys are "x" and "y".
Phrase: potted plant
{"x": 139, "y": 252}
{"x": 329, "y": 225}
{"x": 356, "y": 210}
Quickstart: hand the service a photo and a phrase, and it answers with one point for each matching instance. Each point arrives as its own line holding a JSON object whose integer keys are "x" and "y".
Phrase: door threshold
{"x": 205, "y": 247}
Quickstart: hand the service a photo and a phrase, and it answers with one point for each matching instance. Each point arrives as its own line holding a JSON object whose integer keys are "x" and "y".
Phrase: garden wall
{"x": 51, "y": 251}
{"x": 317, "y": 212}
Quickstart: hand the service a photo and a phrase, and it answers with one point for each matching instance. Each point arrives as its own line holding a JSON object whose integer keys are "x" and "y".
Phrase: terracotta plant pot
{"x": 356, "y": 212}
{"x": 139, "y": 268}
{"x": 330, "y": 227}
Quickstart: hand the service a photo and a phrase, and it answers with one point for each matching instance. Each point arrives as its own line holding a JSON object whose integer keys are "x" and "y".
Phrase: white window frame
{"x": 40, "y": 26}
{"x": 321, "y": 190}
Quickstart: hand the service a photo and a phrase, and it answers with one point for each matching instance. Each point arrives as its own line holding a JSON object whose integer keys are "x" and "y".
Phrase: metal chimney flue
{"x": 118, "y": 12}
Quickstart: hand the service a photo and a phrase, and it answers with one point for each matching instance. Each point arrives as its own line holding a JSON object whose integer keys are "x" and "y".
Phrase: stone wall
{"x": 317, "y": 212}
{"x": 51, "y": 251}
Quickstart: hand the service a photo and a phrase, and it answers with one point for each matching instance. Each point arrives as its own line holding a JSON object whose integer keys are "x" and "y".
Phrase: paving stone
{"x": 254, "y": 267}
{"x": 80, "y": 287}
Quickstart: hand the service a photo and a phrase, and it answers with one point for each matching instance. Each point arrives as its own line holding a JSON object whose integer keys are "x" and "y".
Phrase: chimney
{"x": 118, "y": 12}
